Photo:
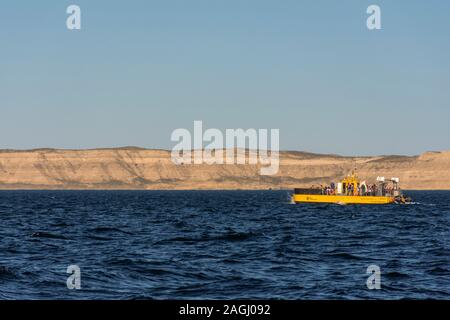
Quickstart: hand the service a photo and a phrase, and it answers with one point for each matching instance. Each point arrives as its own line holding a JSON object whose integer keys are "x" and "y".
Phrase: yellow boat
{"x": 305, "y": 198}
{"x": 352, "y": 191}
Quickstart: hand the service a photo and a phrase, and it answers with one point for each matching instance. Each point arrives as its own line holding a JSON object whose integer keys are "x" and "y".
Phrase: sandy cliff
{"x": 134, "y": 168}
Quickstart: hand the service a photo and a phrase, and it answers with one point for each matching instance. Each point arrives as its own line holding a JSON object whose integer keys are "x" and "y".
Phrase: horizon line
{"x": 3, "y": 150}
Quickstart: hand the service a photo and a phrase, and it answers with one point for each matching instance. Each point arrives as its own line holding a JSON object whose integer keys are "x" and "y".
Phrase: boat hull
{"x": 311, "y": 198}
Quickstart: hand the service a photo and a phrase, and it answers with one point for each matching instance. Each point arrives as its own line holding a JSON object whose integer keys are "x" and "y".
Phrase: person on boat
{"x": 390, "y": 190}
{"x": 350, "y": 189}
{"x": 329, "y": 190}
{"x": 333, "y": 188}
{"x": 369, "y": 190}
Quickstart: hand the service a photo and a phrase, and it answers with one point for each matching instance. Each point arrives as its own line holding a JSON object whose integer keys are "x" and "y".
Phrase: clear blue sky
{"x": 140, "y": 69}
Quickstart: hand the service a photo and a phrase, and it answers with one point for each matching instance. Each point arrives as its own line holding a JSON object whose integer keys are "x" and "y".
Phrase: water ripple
{"x": 219, "y": 245}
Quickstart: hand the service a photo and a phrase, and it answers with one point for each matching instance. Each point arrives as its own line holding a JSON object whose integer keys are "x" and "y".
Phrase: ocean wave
{"x": 343, "y": 255}
{"x": 396, "y": 275}
{"x": 230, "y": 236}
{"x": 439, "y": 271}
{"x": 108, "y": 230}
{"x": 7, "y": 272}
{"x": 43, "y": 234}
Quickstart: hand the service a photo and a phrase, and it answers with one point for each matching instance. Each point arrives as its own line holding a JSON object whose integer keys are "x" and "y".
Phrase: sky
{"x": 137, "y": 70}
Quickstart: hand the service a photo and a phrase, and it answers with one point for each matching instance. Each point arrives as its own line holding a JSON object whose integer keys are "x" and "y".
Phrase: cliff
{"x": 135, "y": 168}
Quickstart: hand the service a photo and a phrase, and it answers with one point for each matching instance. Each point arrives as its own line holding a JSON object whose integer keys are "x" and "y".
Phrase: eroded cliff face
{"x": 134, "y": 168}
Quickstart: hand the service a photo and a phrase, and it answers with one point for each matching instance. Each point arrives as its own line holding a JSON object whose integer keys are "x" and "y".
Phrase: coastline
{"x": 132, "y": 168}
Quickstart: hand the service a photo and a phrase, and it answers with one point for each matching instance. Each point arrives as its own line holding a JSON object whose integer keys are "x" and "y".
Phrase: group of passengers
{"x": 351, "y": 190}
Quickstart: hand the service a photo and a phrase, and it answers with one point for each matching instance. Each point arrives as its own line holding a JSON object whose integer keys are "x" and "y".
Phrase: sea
{"x": 220, "y": 245}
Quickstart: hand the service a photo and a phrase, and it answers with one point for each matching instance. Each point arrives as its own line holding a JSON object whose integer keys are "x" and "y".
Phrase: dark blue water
{"x": 219, "y": 245}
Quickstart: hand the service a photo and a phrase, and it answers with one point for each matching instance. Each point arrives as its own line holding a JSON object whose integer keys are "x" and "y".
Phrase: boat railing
{"x": 329, "y": 191}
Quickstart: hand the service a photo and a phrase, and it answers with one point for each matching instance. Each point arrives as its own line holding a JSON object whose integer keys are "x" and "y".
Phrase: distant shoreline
{"x": 135, "y": 148}
{"x": 133, "y": 168}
